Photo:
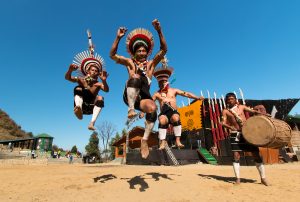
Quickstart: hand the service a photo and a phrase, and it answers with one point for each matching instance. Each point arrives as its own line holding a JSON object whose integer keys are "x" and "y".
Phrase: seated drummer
{"x": 233, "y": 119}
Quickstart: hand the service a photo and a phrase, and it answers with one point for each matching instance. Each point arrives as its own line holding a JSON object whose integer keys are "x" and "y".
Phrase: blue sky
{"x": 215, "y": 45}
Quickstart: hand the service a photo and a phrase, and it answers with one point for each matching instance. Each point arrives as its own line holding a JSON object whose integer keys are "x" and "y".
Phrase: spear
{"x": 203, "y": 110}
{"x": 213, "y": 129}
{"x": 237, "y": 99}
{"x": 244, "y": 103}
{"x": 224, "y": 103}
{"x": 220, "y": 127}
{"x": 91, "y": 45}
{"x": 215, "y": 119}
{"x": 221, "y": 108}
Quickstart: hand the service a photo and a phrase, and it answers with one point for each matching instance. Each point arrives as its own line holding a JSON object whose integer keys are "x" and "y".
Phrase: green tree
{"x": 74, "y": 149}
{"x": 92, "y": 149}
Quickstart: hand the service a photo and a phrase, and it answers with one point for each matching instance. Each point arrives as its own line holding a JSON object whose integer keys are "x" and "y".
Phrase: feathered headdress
{"x": 164, "y": 72}
{"x": 88, "y": 58}
{"x": 138, "y": 37}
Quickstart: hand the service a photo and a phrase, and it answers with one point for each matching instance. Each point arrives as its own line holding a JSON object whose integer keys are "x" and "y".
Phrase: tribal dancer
{"x": 234, "y": 118}
{"x": 89, "y": 67}
{"x": 167, "y": 100}
{"x": 140, "y": 70}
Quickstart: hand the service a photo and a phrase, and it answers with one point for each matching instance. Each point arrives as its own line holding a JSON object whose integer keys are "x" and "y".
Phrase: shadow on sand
{"x": 140, "y": 180}
{"x": 226, "y": 179}
{"x": 104, "y": 178}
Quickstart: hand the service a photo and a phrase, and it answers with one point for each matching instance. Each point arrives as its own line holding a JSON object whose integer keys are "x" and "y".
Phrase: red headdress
{"x": 138, "y": 37}
{"x": 88, "y": 58}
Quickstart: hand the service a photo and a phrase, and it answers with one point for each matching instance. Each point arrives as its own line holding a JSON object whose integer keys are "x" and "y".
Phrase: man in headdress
{"x": 140, "y": 70}
{"x": 90, "y": 67}
{"x": 233, "y": 119}
{"x": 168, "y": 108}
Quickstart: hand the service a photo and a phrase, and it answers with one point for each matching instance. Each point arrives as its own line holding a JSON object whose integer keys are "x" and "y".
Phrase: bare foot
{"x": 163, "y": 144}
{"x": 91, "y": 126}
{"x": 131, "y": 113}
{"x": 78, "y": 112}
{"x": 179, "y": 145}
{"x": 264, "y": 182}
{"x": 144, "y": 149}
{"x": 237, "y": 181}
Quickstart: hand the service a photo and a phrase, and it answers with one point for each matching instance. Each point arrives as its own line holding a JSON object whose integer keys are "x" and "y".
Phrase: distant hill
{"x": 9, "y": 130}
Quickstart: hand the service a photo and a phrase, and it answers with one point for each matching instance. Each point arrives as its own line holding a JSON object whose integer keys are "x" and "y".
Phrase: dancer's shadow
{"x": 226, "y": 179}
{"x": 137, "y": 180}
{"x": 104, "y": 178}
{"x": 156, "y": 176}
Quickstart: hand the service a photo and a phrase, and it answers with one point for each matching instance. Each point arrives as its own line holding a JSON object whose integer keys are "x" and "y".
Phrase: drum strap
{"x": 236, "y": 116}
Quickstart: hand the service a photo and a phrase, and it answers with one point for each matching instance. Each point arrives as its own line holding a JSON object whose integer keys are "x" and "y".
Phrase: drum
{"x": 295, "y": 140}
{"x": 264, "y": 131}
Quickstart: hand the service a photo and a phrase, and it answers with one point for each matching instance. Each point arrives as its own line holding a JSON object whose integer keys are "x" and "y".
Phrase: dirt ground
{"x": 111, "y": 182}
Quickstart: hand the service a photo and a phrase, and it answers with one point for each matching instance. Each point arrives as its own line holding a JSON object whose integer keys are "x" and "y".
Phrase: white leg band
{"x": 261, "y": 169}
{"x": 132, "y": 94}
{"x": 96, "y": 112}
{"x": 78, "y": 100}
{"x": 236, "y": 169}
{"x": 148, "y": 128}
{"x": 177, "y": 130}
{"x": 162, "y": 133}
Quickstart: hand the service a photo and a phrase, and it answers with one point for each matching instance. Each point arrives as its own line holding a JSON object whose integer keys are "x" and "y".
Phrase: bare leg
{"x": 177, "y": 129}
{"x": 133, "y": 90}
{"x": 162, "y": 131}
{"x": 236, "y": 167}
{"x": 260, "y": 167}
{"x": 78, "y": 106}
{"x": 148, "y": 106}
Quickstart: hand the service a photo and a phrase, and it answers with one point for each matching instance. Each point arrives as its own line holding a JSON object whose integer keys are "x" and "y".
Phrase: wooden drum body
{"x": 264, "y": 131}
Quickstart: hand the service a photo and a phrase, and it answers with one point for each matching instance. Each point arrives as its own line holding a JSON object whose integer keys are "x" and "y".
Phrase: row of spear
{"x": 215, "y": 108}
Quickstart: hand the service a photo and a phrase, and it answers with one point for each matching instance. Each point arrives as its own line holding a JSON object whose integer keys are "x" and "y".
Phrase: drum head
{"x": 258, "y": 130}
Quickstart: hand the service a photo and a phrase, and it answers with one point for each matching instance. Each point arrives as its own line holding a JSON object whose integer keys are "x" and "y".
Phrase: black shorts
{"x": 144, "y": 94}
{"x": 238, "y": 143}
{"x": 88, "y": 100}
{"x": 168, "y": 111}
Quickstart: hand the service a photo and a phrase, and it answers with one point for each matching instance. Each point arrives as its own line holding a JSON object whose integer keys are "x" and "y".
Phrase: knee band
{"x": 163, "y": 126}
{"x": 176, "y": 123}
{"x": 78, "y": 91}
{"x": 151, "y": 116}
{"x": 99, "y": 103}
{"x": 134, "y": 83}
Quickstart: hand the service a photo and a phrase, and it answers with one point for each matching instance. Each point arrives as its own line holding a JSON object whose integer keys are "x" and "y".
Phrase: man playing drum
{"x": 233, "y": 119}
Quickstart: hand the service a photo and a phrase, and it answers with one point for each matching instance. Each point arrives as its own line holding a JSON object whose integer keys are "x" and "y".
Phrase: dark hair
{"x": 138, "y": 45}
{"x": 229, "y": 95}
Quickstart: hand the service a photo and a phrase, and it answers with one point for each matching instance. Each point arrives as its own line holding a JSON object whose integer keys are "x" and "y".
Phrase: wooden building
{"x": 135, "y": 136}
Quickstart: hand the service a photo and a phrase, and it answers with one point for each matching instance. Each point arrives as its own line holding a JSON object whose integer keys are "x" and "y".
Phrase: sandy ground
{"x": 109, "y": 182}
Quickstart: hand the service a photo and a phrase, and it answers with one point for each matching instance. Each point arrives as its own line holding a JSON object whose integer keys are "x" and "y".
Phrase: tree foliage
{"x": 74, "y": 149}
{"x": 92, "y": 149}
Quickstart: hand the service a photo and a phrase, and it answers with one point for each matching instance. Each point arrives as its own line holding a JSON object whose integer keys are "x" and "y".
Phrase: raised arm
{"x": 248, "y": 109}
{"x": 113, "y": 51}
{"x": 154, "y": 97}
{"x": 68, "y": 75}
{"x": 163, "y": 44}
{"x": 188, "y": 94}
{"x": 103, "y": 86}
